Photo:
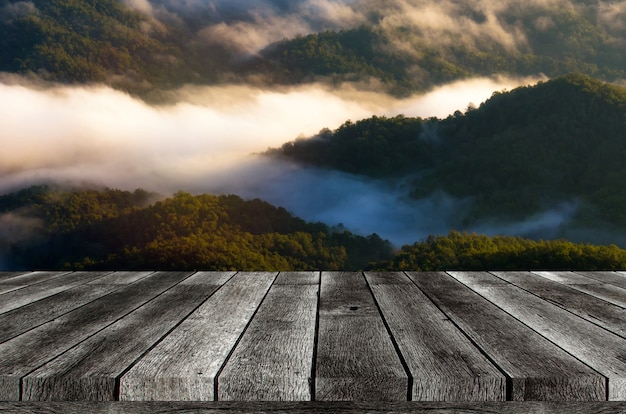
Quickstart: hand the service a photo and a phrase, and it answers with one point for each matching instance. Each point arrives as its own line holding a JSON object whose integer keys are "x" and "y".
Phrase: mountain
{"x": 479, "y": 252}
{"x": 574, "y": 44}
{"x": 47, "y": 227}
{"x": 519, "y": 153}
{"x": 99, "y": 41}
{"x": 108, "y": 42}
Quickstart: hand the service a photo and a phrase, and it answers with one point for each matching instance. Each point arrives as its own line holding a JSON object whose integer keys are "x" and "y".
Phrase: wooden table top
{"x": 312, "y": 336}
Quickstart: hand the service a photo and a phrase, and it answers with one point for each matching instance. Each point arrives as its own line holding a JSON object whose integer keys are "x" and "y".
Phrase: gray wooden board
{"x": 24, "y": 296}
{"x": 356, "y": 359}
{"x": 273, "y": 360}
{"x": 88, "y": 371}
{"x": 31, "y": 278}
{"x": 27, "y": 352}
{"x": 444, "y": 364}
{"x": 298, "y": 278}
{"x": 8, "y": 275}
{"x": 614, "y": 278}
{"x": 539, "y": 370}
{"x": 27, "y": 317}
{"x": 605, "y": 291}
{"x": 10, "y": 288}
{"x": 120, "y": 278}
{"x": 185, "y": 364}
{"x": 598, "y": 348}
{"x": 216, "y": 407}
{"x": 595, "y": 310}
{"x": 21, "y": 280}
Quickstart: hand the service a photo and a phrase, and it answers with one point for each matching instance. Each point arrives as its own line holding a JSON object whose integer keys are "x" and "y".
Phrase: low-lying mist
{"x": 250, "y": 26}
{"x": 203, "y": 143}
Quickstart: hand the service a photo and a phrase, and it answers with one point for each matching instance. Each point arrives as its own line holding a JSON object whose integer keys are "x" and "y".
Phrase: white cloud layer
{"x": 202, "y": 143}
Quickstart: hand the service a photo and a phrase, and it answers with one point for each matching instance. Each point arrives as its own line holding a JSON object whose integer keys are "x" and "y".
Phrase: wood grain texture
{"x": 604, "y": 291}
{"x": 32, "y": 293}
{"x": 538, "y": 369}
{"x": 30, "y": 278}
{"x": 274, "y": 358}
{"x": 88, "y": 371}
{"x": 602, "y": 350}
{"x": 121, "y": 278}
{"x": 444, "y": 364}
{"x": 8, "y": 275}
{"x": 9, "y": 288}
{"x": 356, "y": 359}
{"x": 183, "y": 366}
{"x": 614, "y": 278}
{"x": 298, "y": 278}
{"x": 591, "y": 308}
{"x": 219, "y": 407}
{"x": 34, "y": 348}
{"x": 27, "y": 317}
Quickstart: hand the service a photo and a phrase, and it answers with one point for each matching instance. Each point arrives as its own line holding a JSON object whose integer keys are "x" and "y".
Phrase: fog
{"x": 204, "y": 141}
{"x": 100, "y": 135}
{"x": 250, "y": 26}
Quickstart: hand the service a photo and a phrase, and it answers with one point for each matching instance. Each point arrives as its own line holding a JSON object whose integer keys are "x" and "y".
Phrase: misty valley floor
{"x": 472, "y": 339}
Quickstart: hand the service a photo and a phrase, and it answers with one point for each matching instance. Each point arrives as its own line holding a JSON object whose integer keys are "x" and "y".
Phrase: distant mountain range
{"x": 106, "y": 41}
{"x": 556, "y": 148}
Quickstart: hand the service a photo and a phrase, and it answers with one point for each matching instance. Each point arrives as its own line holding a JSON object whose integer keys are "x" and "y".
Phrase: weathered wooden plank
{"x": 120, "y": 278}
{"x": 591, "y": 308}
{"x": 88, "y": 371}
{"x": 274, "y": 359}
{"x": 217, "y": 407}
{"x": 22, "y": 319}
{"x": 614, "y": 278}
{"x": 16, "y": 280}
{"x": 538, "y": 370}
{"x": 600, "y": 349}
{"x": 10, "y": 288}
{"x": 356, "y": 359}
{"x": 25, "y": 353}
{"x": 298, "y": 278}
{"x": 31, "y": 278}
{"x": 32, "y": 293}
{"x": 7, "y": 275}
{"x": 605, "y": 291}
{"x": 444, "y": 364}
{"x": 185, "y": 364}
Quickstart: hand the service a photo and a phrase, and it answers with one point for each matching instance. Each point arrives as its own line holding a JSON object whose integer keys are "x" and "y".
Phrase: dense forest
{"x": 479, "y": 252}
{"x": 577, "y": 45}
{"x": 46, "y": 227}
{"x": 517, "y": 154}
{"x": 106, "y": 41}
{"x": 100, "y": 41}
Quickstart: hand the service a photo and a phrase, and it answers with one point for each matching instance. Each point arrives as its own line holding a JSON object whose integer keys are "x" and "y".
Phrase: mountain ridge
{"x": 107, "y": 42}
{"x": 54, "y": 228}
{"x": 517, "y": 154}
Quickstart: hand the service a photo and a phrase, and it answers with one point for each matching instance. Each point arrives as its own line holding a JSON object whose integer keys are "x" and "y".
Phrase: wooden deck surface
{"x": 462, "y": 337}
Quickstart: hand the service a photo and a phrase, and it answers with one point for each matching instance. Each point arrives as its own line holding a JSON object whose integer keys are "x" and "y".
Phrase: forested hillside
{"x": 99, "y": 41}
{"x": 110, "y": 42}
{"x": 517, "y": 154}
{"x": 50, "y": 228}
{"x": 574, "y": 43}
{"x": 479, "y": 252}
